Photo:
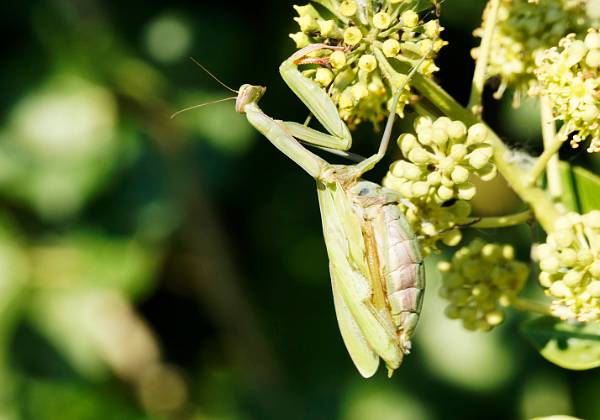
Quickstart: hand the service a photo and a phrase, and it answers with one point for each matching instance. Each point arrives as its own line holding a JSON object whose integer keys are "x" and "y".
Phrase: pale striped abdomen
{"x": 399, "y": 261}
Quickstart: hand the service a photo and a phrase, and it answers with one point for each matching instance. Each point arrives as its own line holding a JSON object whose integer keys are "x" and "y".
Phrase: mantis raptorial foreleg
{"x": 317, "y": 101}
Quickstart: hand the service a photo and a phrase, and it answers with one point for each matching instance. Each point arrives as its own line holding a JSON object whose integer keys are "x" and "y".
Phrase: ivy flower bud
{"x": 301, "y": 39}
{"x": 367, "y": 63}
{"x": 570, "y": 267}
{"x": 478, "y": 280}
{"x": 409, "y": 18}
{"x": 324, "y": 76}
{"x": 348, "y": 8}
{"x": 307, "y": 23}
{"x": 352, "y": 35}
{"x": 337, "y": 59}
{"x": 382, "y": 20}
{"x": 391, "y": 47}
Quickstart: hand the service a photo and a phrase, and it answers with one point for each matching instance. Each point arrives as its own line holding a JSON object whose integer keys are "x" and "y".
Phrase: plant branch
{"x": 526, "y": 305}
{"x": 551, "y": 148}
{"x": 483, "y": 56}
{"x": 503, "y": 221}
{"x": 540, "y": 202}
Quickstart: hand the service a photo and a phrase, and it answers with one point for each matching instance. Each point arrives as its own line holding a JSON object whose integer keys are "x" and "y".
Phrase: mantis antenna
{"x": 211, "y": 102}
{"x": 201, "y": 105}
{"x": 212, "y": 75}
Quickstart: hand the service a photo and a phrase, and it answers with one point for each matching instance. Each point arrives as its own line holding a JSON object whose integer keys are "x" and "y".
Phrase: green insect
{"x": 376, "y": 267}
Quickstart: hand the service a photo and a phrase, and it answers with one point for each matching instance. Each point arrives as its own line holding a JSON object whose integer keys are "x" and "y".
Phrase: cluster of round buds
{"x": 569, "y": 76}
{"x": 570, "y": 266}
{"x": 372, "y": 31}
{"x": 480, "y": 279}
{"x": 523, "y": 29}
{"x": 435, "y": 174}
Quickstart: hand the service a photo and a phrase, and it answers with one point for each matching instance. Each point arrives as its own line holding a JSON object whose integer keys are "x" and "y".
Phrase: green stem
{"x": 526, "y": 305}
{"x": 483, "y": 56}
{"x": 551, "y": 148}
{"x": 540, "y": 202}
{"x": 503, "y": 221}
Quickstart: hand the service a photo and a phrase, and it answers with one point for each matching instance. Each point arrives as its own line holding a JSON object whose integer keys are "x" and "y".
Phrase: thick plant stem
{"x": 491, "y": 15}
{"x": 540, "y": 202}
{"x": 503, "y": 221}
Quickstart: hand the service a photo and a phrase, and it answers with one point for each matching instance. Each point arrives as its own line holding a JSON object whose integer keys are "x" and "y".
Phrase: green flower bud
{"x": 352, "y": 35}
{"x": 560, "y": 289}
{"x": 367, "y": 63}
{"x": 456, "y": 130}
{"x": 324, "y": 76}
{"x": 407, "y": 142}
{"x": 452, "y": 237}
{"x": 572, "y": 278}
{"x": 328, "y": 28}
{"x": 348, "y": 8}
{"x": 409, "y": 18}
{"x": 382, "y": 20}
{"x": 419, "y": 155}
{"x": 494, "y": 318}
{"x": 420, "y": 189}
{"x": 466, "y": 191}
{"x": 307, "y": 23}
{"x": 445, "y": 193}
{"x": 550, "y": 264}
{"x": 460, "y": 175}
{"x": 594, "y": 288}
{"x": 391, "y": 48}
{"x": 478, "y": 158}
{"x": 359, "y": 91}
{"x": 452, "y": 311}
{"x": 307, "y": 10}
{"x": 301, "y": 39}
{"x": 595, "y": 269}
{"x": 337, "y": 59}
{"x": 476, "y": 134}
{"x": 434, "y": 178}
{"x": 458, "y": 151}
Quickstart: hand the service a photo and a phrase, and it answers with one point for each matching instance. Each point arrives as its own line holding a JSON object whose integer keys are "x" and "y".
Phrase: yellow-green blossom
{"x": 570, "y": 266}
{"x": 476, "y": 281}
{"x": 373, "y": 32}
{"x": 523, "y": 30}
{"x": 435, "y": 176}
{"x": 569, "y": 76}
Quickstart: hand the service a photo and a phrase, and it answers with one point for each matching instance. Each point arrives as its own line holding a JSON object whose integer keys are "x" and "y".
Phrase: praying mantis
{"x": 375, "y": 264}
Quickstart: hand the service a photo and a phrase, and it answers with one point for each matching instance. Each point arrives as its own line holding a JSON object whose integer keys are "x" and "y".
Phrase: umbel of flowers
{"x": 480, "y": 279}
{"x": 435, "y": 176}
{"x": 524, "y": 29}
{"x": 358, "y": 78}
{"x": 569, "y": 77}
{"x": 570, "y": 267}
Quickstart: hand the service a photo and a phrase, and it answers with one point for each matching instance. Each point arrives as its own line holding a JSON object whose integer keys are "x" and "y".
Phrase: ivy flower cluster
{"x": 480, "y": 279}
{"x": 373, "y": 32}
{"x": 569, "y": 76}
{"x": 524, "y": 29}
{"x": 570, "y": 267}
{"x": 435, "y": 176}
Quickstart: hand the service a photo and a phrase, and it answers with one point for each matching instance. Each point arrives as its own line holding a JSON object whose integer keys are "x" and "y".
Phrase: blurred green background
{"x": 159, "y": 268}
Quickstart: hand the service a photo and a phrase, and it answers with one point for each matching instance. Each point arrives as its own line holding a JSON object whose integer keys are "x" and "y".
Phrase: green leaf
{"x": 566, "y": 344}
{"x": 581, "y": 188}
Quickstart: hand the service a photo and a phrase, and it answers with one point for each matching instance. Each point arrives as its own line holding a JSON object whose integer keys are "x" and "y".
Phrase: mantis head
{"x": 248, "y": 94}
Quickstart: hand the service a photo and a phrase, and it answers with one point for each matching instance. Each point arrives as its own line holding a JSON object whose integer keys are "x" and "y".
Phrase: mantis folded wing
{"x": 375, "y": 264}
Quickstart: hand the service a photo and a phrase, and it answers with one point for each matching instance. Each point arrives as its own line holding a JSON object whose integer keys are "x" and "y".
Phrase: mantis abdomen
{"x": 376, "y": 272}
